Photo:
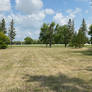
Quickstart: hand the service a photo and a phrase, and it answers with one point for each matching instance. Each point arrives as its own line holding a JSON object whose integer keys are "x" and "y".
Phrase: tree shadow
{"x": 89, "y": 68}
{"x": 85, "y": 52}
{"x": 60, "y": 83}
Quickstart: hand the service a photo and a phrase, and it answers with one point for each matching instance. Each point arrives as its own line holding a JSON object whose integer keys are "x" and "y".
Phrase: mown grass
{"x": 41, "y": 69}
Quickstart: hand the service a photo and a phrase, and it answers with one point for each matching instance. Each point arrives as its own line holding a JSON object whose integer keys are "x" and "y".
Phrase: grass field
{"x": 40, "y": 69}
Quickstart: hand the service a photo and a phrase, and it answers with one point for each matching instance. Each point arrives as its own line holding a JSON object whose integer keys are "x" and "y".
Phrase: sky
{"x": 29, "y": 15}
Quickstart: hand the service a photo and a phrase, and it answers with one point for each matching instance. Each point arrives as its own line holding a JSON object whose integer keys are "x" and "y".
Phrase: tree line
{"x": 50, "y": 33}
{"x": 65, "y": 34}
{"x": 56, "y": 34}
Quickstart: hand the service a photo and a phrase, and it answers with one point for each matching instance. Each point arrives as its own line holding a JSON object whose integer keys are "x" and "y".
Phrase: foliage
{"x": 90, "y": 33}
{"x": 46, "y": 34}
{"x": 3, "y": 26}
{"x": 4, "y": 40}
{"x": 28, "y": 40}
{"x": 51, "y": 33}
{"x": 78, "y": 40}
{"x": 62, "y": 35}
{"x": 71, "y": 29}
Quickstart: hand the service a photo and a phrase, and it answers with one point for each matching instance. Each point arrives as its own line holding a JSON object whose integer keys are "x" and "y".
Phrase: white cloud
{"x": 5, "y": 5}
{"x": 27, "y": 25}
{"x": 61, "y": 19}
{"x": 29, "y": 6}
{"x": 72, "y": 13}
{"x": 86, "y": 12}
{"x": 49, "y": 11}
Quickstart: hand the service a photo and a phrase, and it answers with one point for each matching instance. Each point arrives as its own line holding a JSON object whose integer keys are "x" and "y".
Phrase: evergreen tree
{"x": 80, "y": 38}
{"x": 3, "y": 26}
{"x": 71, "y": 28}
{"x": 90, "y": 33}
{"x": 11, "y": 32}
{"x": 73, "y": 42}
{"x": 83, "y": 28}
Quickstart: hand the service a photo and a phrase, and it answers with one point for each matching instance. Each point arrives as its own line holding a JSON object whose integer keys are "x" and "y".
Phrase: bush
{"x": 4, "y": 41}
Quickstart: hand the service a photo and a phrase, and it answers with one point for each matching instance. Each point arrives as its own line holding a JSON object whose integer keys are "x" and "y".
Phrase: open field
{"x": 40, "y": 69}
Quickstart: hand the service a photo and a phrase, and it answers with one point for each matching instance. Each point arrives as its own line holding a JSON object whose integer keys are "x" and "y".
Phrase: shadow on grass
{"x": 85, "y": 52}
{"x": 60, "y": 83}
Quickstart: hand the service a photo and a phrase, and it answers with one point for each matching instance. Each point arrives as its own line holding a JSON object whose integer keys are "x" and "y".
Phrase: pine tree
{"x": 71, "y": 28}
{"x": 3, "y": 26}
{"x": 11, "y": 32}
{"x": 83, "y": 28}
{"x": 80, "y": 39}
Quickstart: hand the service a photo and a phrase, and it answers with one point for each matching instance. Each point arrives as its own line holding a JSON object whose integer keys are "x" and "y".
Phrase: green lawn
{"x": 40, "y": 69}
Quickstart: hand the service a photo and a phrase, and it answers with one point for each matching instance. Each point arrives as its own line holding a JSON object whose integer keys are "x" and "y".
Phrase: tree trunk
{"x": 11, "y": 44}
{"x": 50, "y": 44}
{"x": 65, "y": 45}
{"x": 91, "y": 40}
{"x": 46, "y": 45}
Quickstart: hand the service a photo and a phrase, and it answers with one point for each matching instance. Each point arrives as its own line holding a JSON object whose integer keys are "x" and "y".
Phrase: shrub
{"x": 4, "y": 41}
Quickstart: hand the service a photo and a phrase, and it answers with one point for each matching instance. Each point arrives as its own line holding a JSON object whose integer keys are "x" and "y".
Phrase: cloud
{"x": 29, "y": 6}
{"x": 72, "y": 13}
{"x": 25, "y": 24}
{"x": 59, "y": 18}
{"x": 86, "y": 11}
{"x": 5, "y": 5}
{"x": 49, "y": 11}
{"x": 29, "y": 24}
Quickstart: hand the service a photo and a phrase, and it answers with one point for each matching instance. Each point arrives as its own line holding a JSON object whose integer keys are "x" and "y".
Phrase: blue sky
{"x": 29, "y": 15}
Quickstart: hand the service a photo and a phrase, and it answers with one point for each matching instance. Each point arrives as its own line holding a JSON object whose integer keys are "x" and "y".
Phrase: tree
{"x": 66, "y": 35}
{"x": 51, "y": 33}
{"x": 4, "y": 40}
{"x": 80, "y": 38}
{"x": 11, "y": 32}
{"x": 90, "y": 33}
{"x": 73, "y": 42}
{"x": 3, "y": 26}
{"x": 62, "y": 35}
{"x": 44, "y": 34}
{"x": 58, "y": 34}
{"x": 83, "y": 28}
{"x": 28, "y": 40}
{"x": 71, "y": 28}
